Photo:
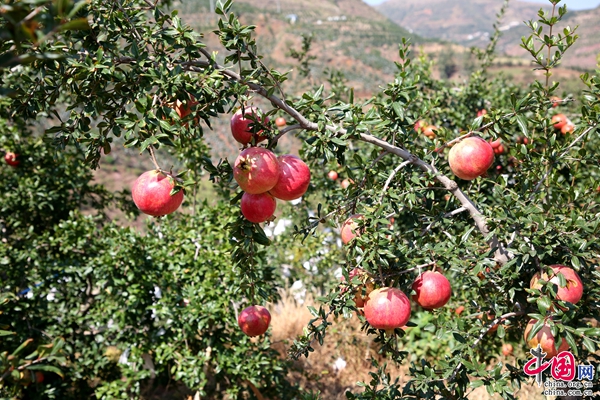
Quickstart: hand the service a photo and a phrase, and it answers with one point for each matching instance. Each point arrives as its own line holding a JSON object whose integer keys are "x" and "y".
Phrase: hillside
{"x": 348, "y": 35}
{"x": 470, "y": 23}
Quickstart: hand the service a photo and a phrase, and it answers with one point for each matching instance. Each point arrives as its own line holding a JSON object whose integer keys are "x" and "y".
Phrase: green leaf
{"x": 522, "y": 121}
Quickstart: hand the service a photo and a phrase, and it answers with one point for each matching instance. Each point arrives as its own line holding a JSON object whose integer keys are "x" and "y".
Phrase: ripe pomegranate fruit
{"x": 294, "y": 178}
{"x": 240, "y": 126}
{"x": 346, "y": 182}
{"x": 568, "y": 127}
{"x": 429, "y": 131}
{"x": 256, "y": 170}
{"x": 11, "y": 159}
{"x": 258, "y": 208}
{"x": 432, "y": 290}
{"x": 349, "y": 228}
{"x": 419, "y": 125}
{"x": 572, "y": 292}
{"x": 358, "y": 298}
{"x": 151, "y": 193}
{"x": 333, "y": 175}
{"x": 254, "y": 320}
{"x": 387, "y": 308}
{"x": 559, "y": 120}
{"x": 545, "y": 339}
{"x": 470, "y": 158}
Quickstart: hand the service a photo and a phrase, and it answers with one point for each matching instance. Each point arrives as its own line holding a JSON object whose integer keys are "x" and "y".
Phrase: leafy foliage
{"x": 113, "y": 311}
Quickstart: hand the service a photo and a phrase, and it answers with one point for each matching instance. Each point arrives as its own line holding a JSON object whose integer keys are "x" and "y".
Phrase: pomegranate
{"x": 387, "y": 308}
{"x": 432, "y": 290}
{"x": 333, "y": 175}
{"x": 559, "y": 120}
{"x": 151, "y": 193}
{"x": 240, "y": 126}
{"x": 294, "y": 178}
{"x": 258, "y": 208}
{"x": 254, "y": 320}
{"x": 572, "y": 292}
{"x": 280, "y": 122}
{"x": 348, "y": 231}
{"x": 256, "y": 170}
{"x": 470, "y": 158}
{"x": 11, "y": 159}
{"x": 545, "y": 339}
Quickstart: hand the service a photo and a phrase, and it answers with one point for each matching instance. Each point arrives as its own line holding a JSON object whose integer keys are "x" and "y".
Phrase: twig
{"x": 551, "y": 166}
{"x": 152, "y": 156}
{"x": 283, "y": 132}
{"x": 483, "y": 333}
{"x": 392, "y": 175}
{"x": 448, "y": 214}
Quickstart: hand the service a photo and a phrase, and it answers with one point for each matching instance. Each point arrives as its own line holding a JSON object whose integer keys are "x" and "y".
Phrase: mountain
{"x": 348, "y": 35}
{"x": 470, "y": 23}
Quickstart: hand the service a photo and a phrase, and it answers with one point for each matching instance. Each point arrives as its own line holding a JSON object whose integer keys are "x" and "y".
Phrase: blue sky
{"x": 571, "y": 4}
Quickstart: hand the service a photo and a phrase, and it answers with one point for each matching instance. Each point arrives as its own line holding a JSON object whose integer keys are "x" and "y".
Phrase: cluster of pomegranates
{"x": 425, "y": 128}
{"x": 571, "y": 292}
{"x": 389, "y": 308}
{"x": 262, "y": 175}
{"x": 333, "y": 175}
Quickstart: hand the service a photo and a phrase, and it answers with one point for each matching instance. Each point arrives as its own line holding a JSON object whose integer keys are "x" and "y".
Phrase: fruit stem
{"x": 153, "y": 157}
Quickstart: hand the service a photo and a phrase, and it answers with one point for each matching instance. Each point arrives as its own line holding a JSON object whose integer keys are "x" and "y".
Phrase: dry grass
{"x": 344, "y": 340}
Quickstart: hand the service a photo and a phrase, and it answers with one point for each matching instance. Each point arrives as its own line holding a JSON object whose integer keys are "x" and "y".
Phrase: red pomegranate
{"x": 387, "y": 308}
{"x": 294, "y": 178}
{"x": 254, "y": 320}
{"x": 256, "y": 170}
{"x": 349, "y": 228}
{"x": 240, "y": 125}
{"x": 432, "y": 290}
{"x": 258, "y": 208}
{"x": 470, "y": 158}
{"x": 571, "y": 292}
{"x": 151, "y": 193}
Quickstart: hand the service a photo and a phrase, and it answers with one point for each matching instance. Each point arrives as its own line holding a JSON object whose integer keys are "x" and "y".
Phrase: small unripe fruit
{"x": 280, "y": 122}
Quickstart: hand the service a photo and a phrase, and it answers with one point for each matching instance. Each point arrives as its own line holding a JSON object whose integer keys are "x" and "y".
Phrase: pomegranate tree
{"x": 258, "y": 208}
{"x": 294, "y": 178}
{"x": 151, "y": 193}
{"x": 256, "y": 170}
